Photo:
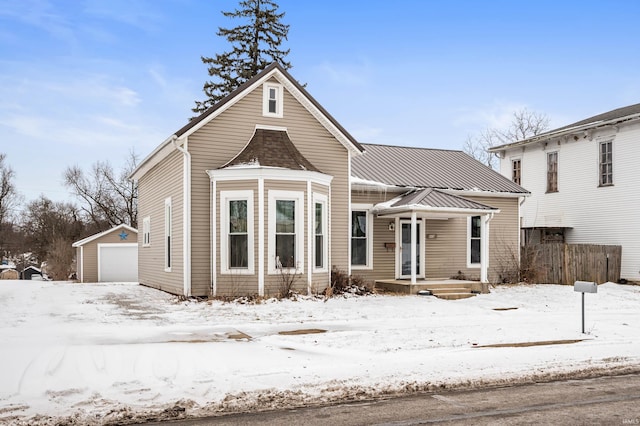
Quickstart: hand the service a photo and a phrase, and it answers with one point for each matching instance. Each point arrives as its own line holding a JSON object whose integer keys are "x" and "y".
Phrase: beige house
{"x": 109, "y": 256}
{"x": 266, "y": 186}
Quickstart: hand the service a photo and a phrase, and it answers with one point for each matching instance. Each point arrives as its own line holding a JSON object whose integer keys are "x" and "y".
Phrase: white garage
{"x": 110, "y": 256}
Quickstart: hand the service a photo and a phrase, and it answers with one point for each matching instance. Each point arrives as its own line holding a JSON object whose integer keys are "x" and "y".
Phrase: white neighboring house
{"x": 584, "y": 180}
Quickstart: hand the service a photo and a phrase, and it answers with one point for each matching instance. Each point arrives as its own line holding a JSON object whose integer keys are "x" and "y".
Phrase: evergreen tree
{"x": 256, "y": 44}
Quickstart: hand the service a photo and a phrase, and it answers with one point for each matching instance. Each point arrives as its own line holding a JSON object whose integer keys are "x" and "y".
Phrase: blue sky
{"x": 89, "y": 80}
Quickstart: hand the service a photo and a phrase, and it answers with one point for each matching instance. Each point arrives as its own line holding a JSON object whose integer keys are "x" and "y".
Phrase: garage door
{"x": 117, "y": 262}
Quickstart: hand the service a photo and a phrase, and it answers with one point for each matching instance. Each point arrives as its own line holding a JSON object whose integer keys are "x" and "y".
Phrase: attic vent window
{"x": 272, "y": 104}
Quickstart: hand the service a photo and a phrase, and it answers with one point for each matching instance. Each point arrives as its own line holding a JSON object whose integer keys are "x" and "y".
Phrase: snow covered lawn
{"x": 116, "y": 352}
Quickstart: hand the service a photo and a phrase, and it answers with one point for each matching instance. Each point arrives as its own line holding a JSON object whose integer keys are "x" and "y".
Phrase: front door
{"x": 405, "y": 249}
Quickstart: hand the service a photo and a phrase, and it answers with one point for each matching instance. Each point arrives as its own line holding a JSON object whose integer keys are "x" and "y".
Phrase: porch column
{"x": 413, "y": 247}
{"x": 484, "y": 248}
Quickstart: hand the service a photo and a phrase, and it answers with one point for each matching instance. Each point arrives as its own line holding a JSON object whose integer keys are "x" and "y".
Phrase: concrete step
{"x": 447, "y": 286}
{"x": 454, "y": 296}
{"x": 449, "y": 290}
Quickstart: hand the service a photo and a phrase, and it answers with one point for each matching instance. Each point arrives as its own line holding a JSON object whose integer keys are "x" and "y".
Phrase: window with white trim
{"x": 286, "y": 230}
{"x": 236, "y": 236}
{"x": 361, "y": 237}
{"x": 606, "y": 163}
{"x": 146, "y": 231}
{"x": 320, "y": 227}
{"x": 552, "y": 172}
{"x": 167, "y": 234}
{"x": 272, "y": 101}
{"x": 475, "y": 240}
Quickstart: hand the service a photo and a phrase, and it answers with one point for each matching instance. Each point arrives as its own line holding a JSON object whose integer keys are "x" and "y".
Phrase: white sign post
{"x": 585, "y": 287}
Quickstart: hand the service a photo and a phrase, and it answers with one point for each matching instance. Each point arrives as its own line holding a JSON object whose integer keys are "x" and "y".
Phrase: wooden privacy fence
{"x": 556, "y": 263}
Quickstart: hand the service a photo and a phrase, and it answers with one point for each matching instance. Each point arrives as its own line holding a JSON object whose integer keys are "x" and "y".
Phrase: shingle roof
{"x": 608, "y": 118}
{"x": 428, "y": 168}
{"x": 271, "y": 148}
{"x": 433, "y": 198}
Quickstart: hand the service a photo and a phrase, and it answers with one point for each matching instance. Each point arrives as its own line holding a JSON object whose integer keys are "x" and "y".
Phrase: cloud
{"x": 354, "y": 74}
{"x": 138, "y": 14}
{"x": 497, "y": 115}
{"x": 40, "y": 14}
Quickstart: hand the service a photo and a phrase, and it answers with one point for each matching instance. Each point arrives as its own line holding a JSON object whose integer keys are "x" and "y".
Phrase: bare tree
{"x": 524, "y": 124}
{"x": 8, "y": 194}
{"x": 45, "y": 221}
{"x": 108, "y": 197}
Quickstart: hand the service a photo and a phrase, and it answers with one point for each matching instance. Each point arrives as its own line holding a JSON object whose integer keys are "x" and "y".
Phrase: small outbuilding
{"x": 110, "y": 256}
{"x": 28, "y": 273}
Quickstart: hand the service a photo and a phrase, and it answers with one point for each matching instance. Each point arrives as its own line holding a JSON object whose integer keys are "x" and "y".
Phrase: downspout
{"x": 186, "y": 214}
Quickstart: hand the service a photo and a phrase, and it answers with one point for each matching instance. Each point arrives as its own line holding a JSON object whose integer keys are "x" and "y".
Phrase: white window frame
{"x": 146, "y": 231}
{"x": 324, "y": 201}
{"x": 600, "y": 184}
{"x": 225, "y": 198}
{"x": 279, "y": 100}
{"x": 468, "y": 241}
{"x": 365, "y": 208}
{"x": 168, "y": 240}
{"x": 298, "y": 197}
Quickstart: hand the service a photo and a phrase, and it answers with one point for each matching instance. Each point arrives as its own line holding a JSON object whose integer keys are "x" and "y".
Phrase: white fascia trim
{"x": 388, "y": 211}
{"x": 479, "y": 193}
{"x": 269, "y": 127}
{"x": 298, "y": 197}
{"x": 103, "y": 233}
{"x": 368, "y": 208}
{"x": 273, "y": 173}
{"x": 157, "y": 155}
{"x": 317, "y": 114}
{"x": 225, "y": 197}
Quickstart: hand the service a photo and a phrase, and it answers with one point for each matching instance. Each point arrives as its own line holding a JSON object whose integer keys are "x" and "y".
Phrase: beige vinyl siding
{"x": 446, "y": 253}
{"x": 217, "y": 142}
{"x": 79, "y": 267}
{"x": 89, "y": 263}
{"x": 162, "y": 181}
{"x": 384, "y": 259}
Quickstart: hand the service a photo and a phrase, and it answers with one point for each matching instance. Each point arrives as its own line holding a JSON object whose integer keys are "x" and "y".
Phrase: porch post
{"x": 413, "y": 247}
{"x": 484, "y": 248}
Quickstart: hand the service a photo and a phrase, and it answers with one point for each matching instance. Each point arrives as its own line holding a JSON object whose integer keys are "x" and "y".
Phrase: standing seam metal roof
{"x": 433, "y": 198}
{"x": 428, "y": 168}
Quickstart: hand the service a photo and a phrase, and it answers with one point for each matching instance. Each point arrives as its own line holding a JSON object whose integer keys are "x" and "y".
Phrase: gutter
{"x": 564, "y": 132}
{"x": 186, "y": 214}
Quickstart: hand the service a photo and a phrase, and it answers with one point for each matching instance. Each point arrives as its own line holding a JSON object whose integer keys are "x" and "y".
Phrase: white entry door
{"x": 405, "y": 249}
{"x": 118, "y": 262}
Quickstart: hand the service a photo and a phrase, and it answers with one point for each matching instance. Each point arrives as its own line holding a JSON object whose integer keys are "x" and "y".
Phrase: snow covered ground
{"x": 98, "y": 353}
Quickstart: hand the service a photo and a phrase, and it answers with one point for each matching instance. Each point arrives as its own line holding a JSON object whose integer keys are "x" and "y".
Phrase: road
{"x": 613, "y": 400}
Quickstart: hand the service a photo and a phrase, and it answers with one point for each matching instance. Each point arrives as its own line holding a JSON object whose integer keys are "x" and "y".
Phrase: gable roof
{"x": 433, "y": 198}
{"x": 271, "y": 148}
{"x": 613, "y": 117}
{"x": 101, "y": 234}
{"x": 275, "y": 70}
{"x": 428, "y": 168}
